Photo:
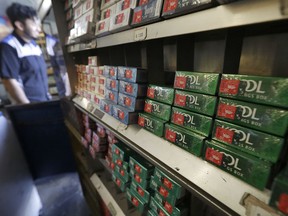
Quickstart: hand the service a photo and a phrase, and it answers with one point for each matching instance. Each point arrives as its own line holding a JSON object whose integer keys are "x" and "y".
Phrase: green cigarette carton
{"x": 160, "y": 209}
{"x": 206, "y": 83}
{"x": 254, "y": 142}
{"x": 142, "y": 193}
{"x": 161, "y": 94}
{"x": 151, "y": 123}
{"x": 141, "y": 166}
{"x": 119, "y": 162}
{"x": 200, "y": 103}
{"x": 192, "y": 121}
{"x": 121, "y": 151}
{"x": 143, "y": 182}
{"x": 123, "y": 173}
{"x": 257, "y": 89}
{"x": 248, "y": 168}
{"x": 136, "y": 202}
{"x": 160, "y": 110}
{"x": 185, "y": 139}
{"x": 264, "y": 118}
{"x": 122, "y": 185}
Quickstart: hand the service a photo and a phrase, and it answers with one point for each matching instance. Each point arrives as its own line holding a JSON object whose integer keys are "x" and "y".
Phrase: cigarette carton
{"x": 122, "y": 185}
{"x": 168, "y": 183}
{"x": 120, "y": 21}
{"x": 133, "y": 89}
{"x": 192, "y": 121}
{"x": 108, "y": 12}
{"x": 141, "y": 166}
{"x": 200, "y": 103}
{"x": 111, "y": 95}
{"x": 152, "y": 124}
{"x": 123, "y": 173}
{"x": 257, "y": 89}
{"x": 102, "y": 27}
{"x": 185, "y": 139}
{"x": 160, "y": 110}
{"x": 132, "y": 74}
{"x": 110, "y": 72}
{"x": 124, "y": 115}
{"x": 147, "y": 13}
{"x": 131, "y": 103}
{"x": 161, "y": 94}
{"x": 136, "y": 202}
{"x": 264, "y": 118}
{"x": 112, "y": 84}
{"x": 118, "y": 162}
{"x": 254, "y": 142}
{"x": 106, "y": 106}
{"x": 124, "y": 4}
{"x": 121, "y": 151}
{"x": 141, "y": 193}
{"x": 143, "y": 182}
{"x": 206, "y": 83}
{"x": 248, "y": 168}
{"x": 107, "y": 3}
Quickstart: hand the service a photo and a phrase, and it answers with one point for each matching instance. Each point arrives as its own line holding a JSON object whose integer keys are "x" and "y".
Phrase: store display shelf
{"x": 239, "y": 13}
{"x": 199, "y": 177}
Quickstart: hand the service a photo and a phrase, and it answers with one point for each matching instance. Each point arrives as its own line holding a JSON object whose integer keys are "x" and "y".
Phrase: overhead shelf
{"x": 203, "y": 179}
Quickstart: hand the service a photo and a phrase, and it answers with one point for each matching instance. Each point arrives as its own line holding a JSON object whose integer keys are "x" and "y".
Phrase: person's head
{"x": 24, "y": 20}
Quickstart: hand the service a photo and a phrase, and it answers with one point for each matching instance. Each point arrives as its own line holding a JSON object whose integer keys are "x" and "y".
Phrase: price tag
{"x": 140, "y": 34}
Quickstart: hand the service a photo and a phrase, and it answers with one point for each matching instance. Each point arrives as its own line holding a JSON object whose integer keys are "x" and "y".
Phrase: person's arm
{"x": 15, "y": 91}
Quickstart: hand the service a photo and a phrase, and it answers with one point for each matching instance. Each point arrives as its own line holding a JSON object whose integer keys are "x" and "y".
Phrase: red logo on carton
{"x": 168, "y": 207}
{"x": 121, "y": 114}
{"x": 119, "y": 162}
{"x": 135, "y": 201}
{"x": 107, "y": 14}
{"x": 128, "y": 74}
{"x": 148, "y": 107}
{"x": 226, "y": 111}
{"x": 127, "y": 101}
{"x": 122, "y": 172}
{"x": 112, "y": 72}
{"x": 178, "y": 118}
{"x": 137, "y": 168}
{"x": 137, "y": 16}
{"x": 225, "y": 135}
{"x": 106, "y": 108}
{"x": 214, "y": 156}
{"x": 111, "y": 96}
{"x": 100, "y": 71}
{"x": 129, "y": 88}
{"x": 140, "y": 191}
{"x": 161, "y": 213}
{"x": 119, "y": 18}
{"x": 167, "y": 183}
{"x": 101, "y": 81}
{"x": 142, "y": 2}
{"x": 150, "y": 92}
{"x": 180, "y": 82}
{"x": 229, "y": 86}
{"x": 113, "y": 84}
{"x": 137, "y": 178}
{"x": 163, "y": 192}
{"x": 170, "y": 5}
{"x": 117, "y": 151}
{"x": 180, "y": 100}
{"x": 141, "y": 121}
{"x": 283, "y": 203}
{"x": 170, "y": 135}
{"x": 118, "y": 182}
{"x": 126, "y": 4}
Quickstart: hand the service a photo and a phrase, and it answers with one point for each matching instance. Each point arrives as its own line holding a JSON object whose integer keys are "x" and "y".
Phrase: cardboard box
{"x": 160, "y": 110}
{"x": 133, "y": 89}
{"x": 248, "y": 168}
{"x": 147, "y": 13}
{"x": 102, "y": 27}
{"x": 257, "y": 89}
{"x": 120, "y": 21}
{"x": 132, "y": 74}
{"x": 108, "y": 12}
{"x": 168, "y": 183}
{"x": 124, "y": 115}
{"x": 185, "y": 139}
{"x": 161, "y": 94}
{"x": 111, "y": 95}
{"x": 136, "y": 202}
{"x": 152, "y": 124}
{"x": 125, "y": 4}
{"x": 263, "y": 118}
{"x": 131, "y": 103}
{"x": 122, "y": 185}
{"x": 173, "y": 8}
{"x": 200, "y": 103}
{"x": 192, "y": 121}
{"x": 254, "y": 142}
{"x": 206, "y": 83}
{"x": 106, "y": 106}
{"x": 110, "y": 72}
{"x": 141, "y": 193}
{"x": 141, "y": 166}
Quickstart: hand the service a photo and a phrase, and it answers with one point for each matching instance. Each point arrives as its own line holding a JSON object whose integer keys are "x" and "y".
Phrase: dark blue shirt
{"x": 24, "y": 62}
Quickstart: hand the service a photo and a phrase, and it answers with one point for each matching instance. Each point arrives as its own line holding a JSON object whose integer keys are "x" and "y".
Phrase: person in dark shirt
{"x": 22, "y": 66}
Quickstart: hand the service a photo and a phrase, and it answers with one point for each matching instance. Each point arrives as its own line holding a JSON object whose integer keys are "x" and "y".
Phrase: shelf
{"x": 203, "y": 179}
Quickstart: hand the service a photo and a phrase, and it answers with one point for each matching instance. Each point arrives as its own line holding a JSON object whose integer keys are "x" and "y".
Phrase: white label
{"x": 140, "y": 34}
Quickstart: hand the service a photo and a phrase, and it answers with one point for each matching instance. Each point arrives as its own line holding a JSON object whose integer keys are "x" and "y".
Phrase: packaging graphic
{"x": 206, "y": 83}
{"x": 257, "y": 89}
{"x": 254, "y": 142}
{"x": 161, "y": 94}
{"x": 248, "y": 168}
{"x": 111, "y": 95}
{"x": 124, "y": 115}
{"x": 122, "y": 185}
{"x": 141, "y": 166}
{"x": 200, "y": 103}
{"x": 123, "y": 173}
{"x": 185, "y": 139}
{"x": 136, "y": 202}
{"x": 102, "y": 27}
{"x": 143, "y": 194}
{"x": 160, "y": 110}
{"x": 177, "y": 7}
{"x": 132, "y": 74}
{"x": 168, "y": 183}
{"x": 106, "y": 106}
{"x": 264, "y": 118}
{"x": 147, "y": 13}
{"x": 151, "y": 123}
{"x": 143, "y": 182}
{"x": 192, "y": 121}
{"x": 120, "y": 21}
{"x": 110, "y": 72}
{"x": 132, "y": 89}
{"x": 112, "y": 84}
{"x": 131, "y": 103}
{"x": 279, "y": 196}
{"x": 116, "y": 161}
